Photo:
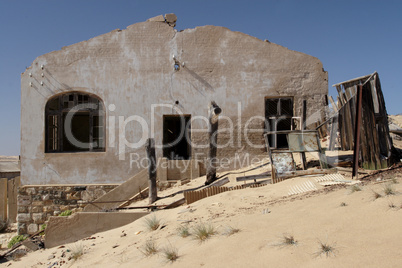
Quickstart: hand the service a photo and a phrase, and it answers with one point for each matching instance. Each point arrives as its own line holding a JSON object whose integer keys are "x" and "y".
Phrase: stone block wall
{"x": 37, "y": 203}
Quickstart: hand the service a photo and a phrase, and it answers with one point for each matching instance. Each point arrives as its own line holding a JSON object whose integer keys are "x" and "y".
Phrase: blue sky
{"x": 352, "y": 38}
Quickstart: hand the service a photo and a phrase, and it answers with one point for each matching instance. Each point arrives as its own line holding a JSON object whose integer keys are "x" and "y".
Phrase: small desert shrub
{"x": 152, "y": 223}
{"x": 170, "y": 253}
{"x": 389, "y": 190}
{"x": 355, "y": 188}
{"x": 66, "y": 213}
{"x": 391, "y": 205}
{"x": 76, "y": 252}
{"x": 16, "y": 239}
{"x": 231, "y": 230}
{"x": 150, "y": 248}
{"x": 203, "y": 231}
{"x": 183, "y": 231}
{"x": 376, "y": 195}
{"x": 289, "y": 240}
{"x": 42, "y": 228}
{"x": 326, "y": 249}
{"x": 343, "y": 204}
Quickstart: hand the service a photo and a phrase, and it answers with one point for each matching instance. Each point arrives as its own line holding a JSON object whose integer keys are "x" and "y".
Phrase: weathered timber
{"x": 214, "y": 111}
{"x": 333, "y": 133}
{"x": 254, "y": 177}
{"x": 126, "y": 203}
{"x": 375, "y": 145}
{"x": 150, "y": 148}
{"x": 298, "y": 173}
{"x": 19, "y": 244}
{"x": 303, "y": 127}
{"x": 334, "y": 106}
{"x": 357, "y": 131}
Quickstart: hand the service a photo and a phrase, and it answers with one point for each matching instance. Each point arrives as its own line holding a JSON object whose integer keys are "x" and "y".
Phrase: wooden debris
{"x": 376, "y": 149}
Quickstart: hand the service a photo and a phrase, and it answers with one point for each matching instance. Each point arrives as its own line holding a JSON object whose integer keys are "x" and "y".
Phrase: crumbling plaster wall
{"x": 133, "y": 69}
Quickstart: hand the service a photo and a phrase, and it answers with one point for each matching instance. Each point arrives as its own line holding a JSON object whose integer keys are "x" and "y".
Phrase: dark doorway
{"x": 278, "y": 114}
{"x": 176, "y": 131}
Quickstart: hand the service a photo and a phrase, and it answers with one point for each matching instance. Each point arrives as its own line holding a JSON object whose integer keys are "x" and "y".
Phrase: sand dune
{"x": 364, "y": 233}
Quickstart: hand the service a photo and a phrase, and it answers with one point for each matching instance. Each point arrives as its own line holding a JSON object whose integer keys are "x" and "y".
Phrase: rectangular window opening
{"x": 278, "y": 114}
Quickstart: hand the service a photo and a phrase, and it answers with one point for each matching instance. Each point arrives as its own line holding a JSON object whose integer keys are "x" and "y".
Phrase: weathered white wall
{"x": 133, "y": 69}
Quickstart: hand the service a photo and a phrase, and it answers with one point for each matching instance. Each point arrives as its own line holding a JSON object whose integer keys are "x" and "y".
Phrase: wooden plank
{"x": 12, "y": 193}
{"x": 333, "y": 133}
{"x": 348, "y": 126}
{"x": 19, "y": 244}
{"x": 3, "y": 199}
{"x": 219, "y": 182}
{"x": 128, "y": 202}
{"x": 176, "y": 203}
{"x": 334, "y": 106}
{"x": 340, "y": 95}
{"x": 254, "y": 177}
{"x": 397, "y": 131}
{"x": 350, "y": 170}
{"x": 341, "y": 125}
{"x": 307, "y": 172}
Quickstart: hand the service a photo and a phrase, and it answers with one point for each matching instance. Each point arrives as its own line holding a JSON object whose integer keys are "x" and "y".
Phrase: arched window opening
{"x": 75, "y": 122}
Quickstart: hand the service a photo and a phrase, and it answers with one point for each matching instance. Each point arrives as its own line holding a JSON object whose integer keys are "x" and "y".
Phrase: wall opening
{"x": 278, "y": 115}
{"x": 176, "y": 137}
{"x": 87, "y": 123}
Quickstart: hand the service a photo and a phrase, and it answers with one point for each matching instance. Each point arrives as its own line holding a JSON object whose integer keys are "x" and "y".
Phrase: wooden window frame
{"x": 54, "y": 134}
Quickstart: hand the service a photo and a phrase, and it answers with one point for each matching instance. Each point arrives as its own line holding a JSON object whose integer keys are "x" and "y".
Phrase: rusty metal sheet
{"x": 283, "y": 162}
{"x": 303, "y": 142}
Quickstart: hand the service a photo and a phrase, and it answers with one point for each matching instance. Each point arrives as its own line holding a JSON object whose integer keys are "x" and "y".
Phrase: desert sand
{"x": 363, "y": 232}
{"x": 360, "y": 228}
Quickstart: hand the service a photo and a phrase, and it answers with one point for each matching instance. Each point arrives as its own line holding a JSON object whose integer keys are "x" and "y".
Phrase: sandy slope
{"x": 365, "y": 233}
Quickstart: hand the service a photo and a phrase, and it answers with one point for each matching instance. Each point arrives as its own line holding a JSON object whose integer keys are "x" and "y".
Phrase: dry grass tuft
{"x": 376, "y": 195}
{"x": 325, "y": 249}
{"x": 183, "y": 231}
{"x": 389, "y": 189}
{"x": 171, "y": 253}
{"x": 152, "y": 223}
{"x": 289, "y": 240}
{"x": 150, "y": 248}
{"x": 76, "y": 251}
{"x": 203, "y": 231}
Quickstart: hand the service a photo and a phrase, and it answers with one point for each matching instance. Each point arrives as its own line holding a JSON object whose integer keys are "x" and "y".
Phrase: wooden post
{"x": 150, "y": 148}
{"x": 214, "y": 112}
{"x": 3, "y": 199}
{"x": 357, "y": 131}
{"x": 303, "y": 127}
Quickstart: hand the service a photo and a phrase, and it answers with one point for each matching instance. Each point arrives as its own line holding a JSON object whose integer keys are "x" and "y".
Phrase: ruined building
{"x": 114, "y": 91}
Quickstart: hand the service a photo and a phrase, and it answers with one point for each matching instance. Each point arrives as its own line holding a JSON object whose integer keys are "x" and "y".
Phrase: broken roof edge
{"x": 366, "y": 77}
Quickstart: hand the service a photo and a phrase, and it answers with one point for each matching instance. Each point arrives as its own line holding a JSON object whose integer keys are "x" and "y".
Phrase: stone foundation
{"x": 37, "y": 203}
